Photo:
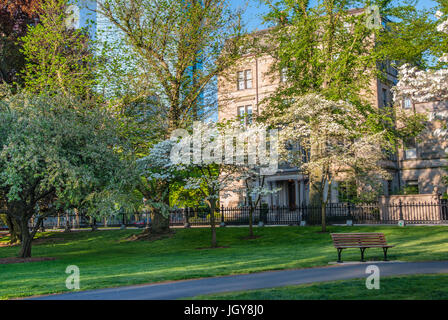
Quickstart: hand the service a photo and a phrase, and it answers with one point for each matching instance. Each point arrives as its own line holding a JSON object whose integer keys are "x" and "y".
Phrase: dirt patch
{"x": 24, "y": 260}
{"x": 148, "y": 236}
{"x": 209, "y": 248}
{"x": 250, "y": 237}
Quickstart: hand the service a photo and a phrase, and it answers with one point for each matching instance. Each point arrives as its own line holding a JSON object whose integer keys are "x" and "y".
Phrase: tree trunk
{"x": 14, "y": 230}
{"x": 25, "y": 250}
{"x": 251, "y": 227}
{"x": 77, "y": 218}
{"x": 160, "y": 224}
{"x": 212, "y": 223}
{"x": 67, "y": 223}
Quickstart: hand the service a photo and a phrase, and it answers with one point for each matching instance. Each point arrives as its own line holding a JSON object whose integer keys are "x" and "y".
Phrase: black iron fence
{"x": 336, "y": 213}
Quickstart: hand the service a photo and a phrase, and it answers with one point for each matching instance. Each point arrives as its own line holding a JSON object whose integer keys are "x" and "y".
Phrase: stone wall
{"x": 416, "y": 207}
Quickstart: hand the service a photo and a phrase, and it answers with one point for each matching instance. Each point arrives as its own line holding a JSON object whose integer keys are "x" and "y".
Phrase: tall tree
{"x": 339, "y": 135}
{"x": 181, "y": 46}
{"x": 333, "y": 49}
{"x": 56, "y": 153}
{"x": 422, "y": 85}
{"x": 59, "y": 58}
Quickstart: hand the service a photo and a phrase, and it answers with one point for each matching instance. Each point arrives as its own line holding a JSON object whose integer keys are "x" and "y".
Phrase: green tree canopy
{"x": 57, "y": 152}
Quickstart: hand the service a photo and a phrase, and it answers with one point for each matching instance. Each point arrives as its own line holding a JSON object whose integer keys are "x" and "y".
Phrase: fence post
{"x": 67, "y": 223}
{"x": 223, "y": 223}
{"x": 42, "y": 227}
{"x": 439, "y": 203}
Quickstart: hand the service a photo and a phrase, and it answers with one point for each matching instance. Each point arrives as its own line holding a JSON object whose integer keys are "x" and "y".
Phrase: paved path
{"x": 190, "y": 288}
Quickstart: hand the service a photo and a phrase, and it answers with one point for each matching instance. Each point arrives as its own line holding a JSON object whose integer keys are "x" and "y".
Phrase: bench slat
{"x": 357, "y": 240}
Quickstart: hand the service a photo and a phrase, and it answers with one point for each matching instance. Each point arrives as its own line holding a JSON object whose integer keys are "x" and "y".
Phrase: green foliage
{"x": 179, "y": 50}
{"x": 61, "y": 151}
{"x": 406, "y": 190}
{"x": 58, "y": 58}
{"x": 318, "y": 51}
{"x": 409, "y": 36}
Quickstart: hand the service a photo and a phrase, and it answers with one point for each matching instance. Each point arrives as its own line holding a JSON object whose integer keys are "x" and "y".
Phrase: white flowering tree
{"x": 256, "y": 189}
{"x": 329, "y": 140}
{"x": 157, "y": 173}
{"x": 425, "y": 85}
{"x": 220, "y": 166}
{"x": 213, "y": 182}
{"x": 208, "y": 175}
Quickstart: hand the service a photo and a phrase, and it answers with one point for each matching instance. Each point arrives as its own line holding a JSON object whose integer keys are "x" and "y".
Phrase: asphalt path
{"x": 270, "y": 279}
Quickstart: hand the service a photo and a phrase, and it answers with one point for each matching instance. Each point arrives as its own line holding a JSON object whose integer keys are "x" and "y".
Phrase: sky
{"x": 255, "y": 10}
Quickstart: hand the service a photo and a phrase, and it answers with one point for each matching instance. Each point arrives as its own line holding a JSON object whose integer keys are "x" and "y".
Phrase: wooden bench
{"x": 360, "y": 240}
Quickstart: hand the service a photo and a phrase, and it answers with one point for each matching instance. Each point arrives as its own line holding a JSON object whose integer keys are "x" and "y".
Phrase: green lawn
{"x": 415, "y": 287}
{"x": 105, "y": 260}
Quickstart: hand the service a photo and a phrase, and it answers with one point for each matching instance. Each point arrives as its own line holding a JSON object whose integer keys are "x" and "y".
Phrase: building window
{"x": 407, "y": 103}
{"x": 411, "y": 153}
{"x": 390, "y": 190}
{"x": 245, "y": 79}
{"x": 245, "y": 114}
{"x": 283, "y": 74}
{"x": 385, "y": 97}
{"x": 347, "y": 191}
{"x": 411, "y": 187}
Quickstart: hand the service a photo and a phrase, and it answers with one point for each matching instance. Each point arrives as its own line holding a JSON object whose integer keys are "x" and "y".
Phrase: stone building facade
{"x": 241, "y": 91}
{"x": 422, "y": 161}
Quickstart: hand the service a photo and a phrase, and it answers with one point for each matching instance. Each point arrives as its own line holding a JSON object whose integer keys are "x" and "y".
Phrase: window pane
{"x": 407, "y": 103}
{"x": 248, "y": 79}
{"x": 411, "y": 153}
{"x": 411, "y": 187}
{"x": 283, "y": 75}
{"x": 240, "y": 80}
{"x": 241, "y": 112}
{"x": 249, "y": 114}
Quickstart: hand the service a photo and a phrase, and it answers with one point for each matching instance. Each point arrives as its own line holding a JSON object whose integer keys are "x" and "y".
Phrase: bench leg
{"x": 385, "y": 254}
{"x": 339, "y": 255}
{"x": 362, "y": 253}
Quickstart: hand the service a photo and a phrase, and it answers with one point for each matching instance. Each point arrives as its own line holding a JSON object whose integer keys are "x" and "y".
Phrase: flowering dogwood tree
{"x": 157, "y": 172}
{"x": 224, "y": 161}
{"x": 256, "y": 189}
{"x": 329, "y": 140}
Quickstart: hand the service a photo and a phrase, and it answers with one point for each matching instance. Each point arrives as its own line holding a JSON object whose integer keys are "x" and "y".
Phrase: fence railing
{"x": 336, "y": 213}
